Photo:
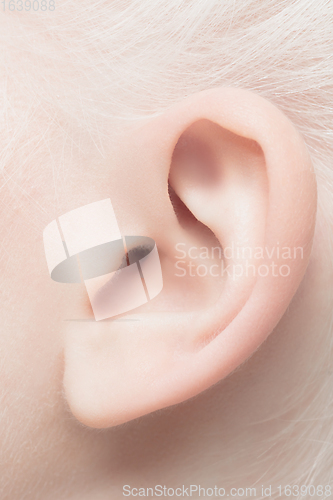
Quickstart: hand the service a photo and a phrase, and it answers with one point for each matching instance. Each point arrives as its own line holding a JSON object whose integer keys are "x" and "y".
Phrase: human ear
{"x": 223, "y": 169}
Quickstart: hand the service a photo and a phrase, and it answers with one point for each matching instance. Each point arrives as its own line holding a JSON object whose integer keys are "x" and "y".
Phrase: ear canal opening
{"x": 187, "y": 219}
{"x": 189, "y": 222}
{"x": 182, "y": 212}
{"x": 200, "y": 164}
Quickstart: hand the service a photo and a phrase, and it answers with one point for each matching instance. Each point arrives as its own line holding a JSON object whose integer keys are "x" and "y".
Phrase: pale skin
{"x": 63, "y": 381}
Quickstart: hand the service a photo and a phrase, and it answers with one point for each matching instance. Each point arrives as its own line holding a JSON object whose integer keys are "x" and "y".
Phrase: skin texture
{"x": 60, "y": 376}
{"x": 219, "y": 381}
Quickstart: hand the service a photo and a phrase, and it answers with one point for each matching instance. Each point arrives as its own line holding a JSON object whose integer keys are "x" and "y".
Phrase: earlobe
{"x": 240, "y": 178}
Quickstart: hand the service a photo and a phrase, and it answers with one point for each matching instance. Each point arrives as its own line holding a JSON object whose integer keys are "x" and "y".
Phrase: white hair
{"x": 92, "y": 62}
